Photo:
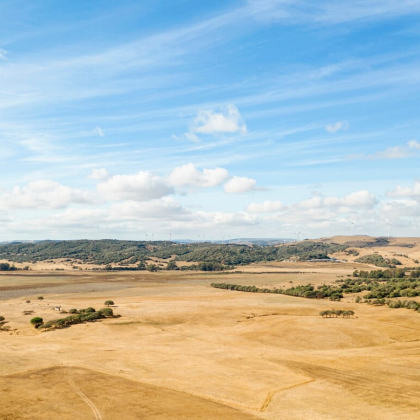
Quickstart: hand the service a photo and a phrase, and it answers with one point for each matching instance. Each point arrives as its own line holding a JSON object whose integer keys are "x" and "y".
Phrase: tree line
{"x": 307, "y": 291}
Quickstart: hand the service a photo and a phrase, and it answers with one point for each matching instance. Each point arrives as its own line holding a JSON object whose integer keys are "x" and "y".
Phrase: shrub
{"x": 109, "y": 303}
{"x": 37, "y": 321}
{"x": 106, "y": 312}
{"x": 40, "y": 298}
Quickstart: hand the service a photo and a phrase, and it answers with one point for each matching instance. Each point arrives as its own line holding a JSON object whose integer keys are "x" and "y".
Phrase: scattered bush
{"x": 37, "y": 321}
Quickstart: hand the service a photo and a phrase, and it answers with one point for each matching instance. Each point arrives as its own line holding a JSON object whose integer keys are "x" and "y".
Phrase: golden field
{"x": 184, "y": 350}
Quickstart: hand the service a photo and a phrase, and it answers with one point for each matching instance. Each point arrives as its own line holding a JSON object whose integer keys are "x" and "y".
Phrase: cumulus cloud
{"x": 239, "y": 185}
{"x": 44, "y": 194}
{"x": 358, "y": 199}
{"x": 400, "y": 191}
{"x": 100, "y": 174}
{"x": 143, "y": 186}
{"x": 411, "y": 149}
{"x": 227, "y": 120}
{"x": 189, "y": 175}
{"x": 265, "y": 207}
{"x": 337, "y": 126}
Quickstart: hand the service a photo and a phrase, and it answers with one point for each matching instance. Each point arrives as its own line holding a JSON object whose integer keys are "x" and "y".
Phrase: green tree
{"x": 37, "y": 321}
{"x": 109, "y": 303}
{"x": 40, "y": 298}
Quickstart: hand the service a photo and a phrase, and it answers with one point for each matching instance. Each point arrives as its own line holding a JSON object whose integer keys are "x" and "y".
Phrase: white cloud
{"x": 99, "y": 131}
{"x": 44, "y": 194}
{"x": 189, "y": 175}
{"x": 265, "y": 207}
{"x": 411, "y": 149}
{"x": 228, "y": 120}
{"x": 400, "y": 191}
{"x": 101, "y": 174}
{"x": 3, "y": 53}
{"x": 338, "y": 126}
{"x": 358, "y": 199}
{"x": 238, "y": 185}
{"x": 140, "y": 187}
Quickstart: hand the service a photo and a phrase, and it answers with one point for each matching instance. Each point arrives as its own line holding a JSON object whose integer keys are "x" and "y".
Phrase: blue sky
{"x": 253, "y": 118}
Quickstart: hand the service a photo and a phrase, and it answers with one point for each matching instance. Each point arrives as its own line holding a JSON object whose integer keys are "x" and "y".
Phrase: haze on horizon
{"x": 249, "y": 118}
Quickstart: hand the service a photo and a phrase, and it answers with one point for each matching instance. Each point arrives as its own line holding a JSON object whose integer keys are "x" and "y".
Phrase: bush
{"x": 109, "y": 303}
{"x": 37, "y": 321}
{"x": 40, "y": 298}
{"x": 106, "y": 312}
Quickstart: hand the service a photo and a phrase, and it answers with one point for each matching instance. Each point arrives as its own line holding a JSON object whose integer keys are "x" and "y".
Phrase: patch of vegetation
{"x": 7, "y": 267}
{"x": 82, "y": 316}
{"x": 336, "y": 313}
{"x": 383, "y": 274}
{"x": 106, "y": 252}
{"x": 352, "y": 252}
{"x": 2, "y": 324}
{"x": 37, "y": 322}
{"x": 379, "y": 261}
{"x": 306, "y": 291}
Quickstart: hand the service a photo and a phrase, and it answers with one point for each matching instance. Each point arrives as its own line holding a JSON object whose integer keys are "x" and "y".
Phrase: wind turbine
{"x": 389, "y": 226}
{"x": 297, "y": 236}
{"x": 170, "y": 236}
{"x": 352, "y": 227}
{"x": 153, "y": 235}
{"x": 146, "y": 237}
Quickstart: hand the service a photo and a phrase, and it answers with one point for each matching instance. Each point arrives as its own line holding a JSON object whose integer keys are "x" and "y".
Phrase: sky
{"x": 190, "y": 119}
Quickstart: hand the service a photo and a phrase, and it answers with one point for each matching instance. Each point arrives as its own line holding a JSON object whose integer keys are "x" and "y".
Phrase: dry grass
{"x": 183, "y": 350}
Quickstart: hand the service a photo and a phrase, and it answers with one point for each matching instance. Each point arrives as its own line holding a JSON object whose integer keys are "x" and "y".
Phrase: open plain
{"x": 184, "y": 350}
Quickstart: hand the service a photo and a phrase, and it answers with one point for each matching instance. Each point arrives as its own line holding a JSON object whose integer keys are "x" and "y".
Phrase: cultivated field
{"x": 184, "y": 350}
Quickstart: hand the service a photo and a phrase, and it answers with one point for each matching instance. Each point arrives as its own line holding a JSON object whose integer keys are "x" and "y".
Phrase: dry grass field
{"x": 184, "y": 350}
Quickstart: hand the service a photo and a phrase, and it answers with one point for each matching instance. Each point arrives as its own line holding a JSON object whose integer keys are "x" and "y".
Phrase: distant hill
{"x": 108, "y": 251}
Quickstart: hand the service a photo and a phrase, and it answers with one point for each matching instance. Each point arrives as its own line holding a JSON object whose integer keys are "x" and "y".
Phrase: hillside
{"x": 102, "y": 252}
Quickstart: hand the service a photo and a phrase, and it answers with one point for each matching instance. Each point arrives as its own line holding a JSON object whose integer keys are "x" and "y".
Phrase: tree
{"x": 28, "y": 301}
{"x": 172, "y": 265}
{"x": 4, "y": 266}
{"x": 40, "y": 298}
{"x": 106, "y": 312}
{"x": 109, "y": 303}
{"x": 152, "y": 267}
{"x": 37, "y": 321}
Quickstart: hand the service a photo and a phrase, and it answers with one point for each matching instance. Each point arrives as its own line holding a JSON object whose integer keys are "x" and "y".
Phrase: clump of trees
{"x": 337, "y": 313}
{"x": 382, "y": 274}
{"x": 7, "y": 267}
{"x": 306, "y": 291}
{"x": 81, "y": 316}
{"x": 379, "y": 261}
{"x": 37, "y": 322}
